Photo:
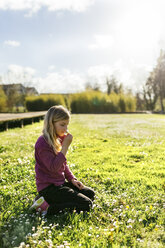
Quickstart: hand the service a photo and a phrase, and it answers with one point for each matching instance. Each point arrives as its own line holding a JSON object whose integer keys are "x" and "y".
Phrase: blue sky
{"x": 60, "y": 45}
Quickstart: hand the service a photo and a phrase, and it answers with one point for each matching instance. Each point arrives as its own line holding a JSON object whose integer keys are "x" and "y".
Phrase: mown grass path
{"x": 122, "y": 157}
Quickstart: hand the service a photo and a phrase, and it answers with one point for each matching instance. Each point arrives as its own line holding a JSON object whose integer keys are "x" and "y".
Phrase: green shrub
{"x": 130, "y": 103}
{"x": 3, "y": 100}
{"x": 98, "y": 102}
{"x": 88, "y": 102}
{"x": 113, "y": 103}
{"x": 122, "y": 104}
{"x": 84, "y": 102}
{"x": 127, "y": 103}
{"x": 43, "y": 102}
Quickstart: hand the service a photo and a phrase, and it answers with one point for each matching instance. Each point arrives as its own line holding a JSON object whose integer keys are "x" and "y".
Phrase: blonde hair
{"x": 54, "y": 114}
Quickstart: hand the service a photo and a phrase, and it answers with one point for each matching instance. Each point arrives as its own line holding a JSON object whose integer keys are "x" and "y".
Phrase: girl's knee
{"x": 92, "y": 194}
{"x": 85, "y": 203}
{"x": 88, "y": 205}
{"x": 89, "y": 193}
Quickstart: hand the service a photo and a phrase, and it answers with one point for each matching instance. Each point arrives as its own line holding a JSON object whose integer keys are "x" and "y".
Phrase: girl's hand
{"x": 67, "y": 140}
{"x": 78, "y": 184}
{"x": 66, "y": 143}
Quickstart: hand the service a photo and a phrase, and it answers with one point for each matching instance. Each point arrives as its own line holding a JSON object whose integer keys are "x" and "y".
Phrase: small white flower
{"x": 22, "y": 245}
{"x": 66, "y": 243}
{"x": 129, "y": 221}
{"x": 34, "y": 235}
{"x": 129, "y": 226}
{"x": 19, "y": 160}
{"x": 114, "y": 210}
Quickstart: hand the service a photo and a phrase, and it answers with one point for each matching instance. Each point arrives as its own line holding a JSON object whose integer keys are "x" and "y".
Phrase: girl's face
{"x": 61, "y": 127}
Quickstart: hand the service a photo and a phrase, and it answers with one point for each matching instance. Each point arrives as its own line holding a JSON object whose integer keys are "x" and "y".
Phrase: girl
{"x": 52, "y": 170}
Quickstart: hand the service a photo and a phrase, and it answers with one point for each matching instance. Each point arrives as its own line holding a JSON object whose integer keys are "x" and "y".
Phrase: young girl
{"x": 52, "y": 170}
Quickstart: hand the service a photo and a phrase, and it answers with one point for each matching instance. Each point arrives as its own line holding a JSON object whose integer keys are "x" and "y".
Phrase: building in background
{"x": 19, "y": 89}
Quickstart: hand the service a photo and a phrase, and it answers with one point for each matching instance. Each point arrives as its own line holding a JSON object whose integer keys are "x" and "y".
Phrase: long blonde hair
{"x": 54, "y": 114}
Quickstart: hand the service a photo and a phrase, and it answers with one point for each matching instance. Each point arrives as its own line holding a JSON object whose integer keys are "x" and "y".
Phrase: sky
{"x": 58, "y": 46}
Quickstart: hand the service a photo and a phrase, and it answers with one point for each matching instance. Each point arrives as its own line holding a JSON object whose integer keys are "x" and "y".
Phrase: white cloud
{"x": 102, "y": 41}
{"x": 18, "y": 74}
{"x": 12, "y": 43}
{"x": 74, "y": 5}
{"x": 64, "y": 81}
{"x": 17, "y": 69}
{"x": 61, "y": 82}
{"x": 99, "y": 73}
{"x": 130, "y": 74}
{"x": 52, "y": 5}
{"x": 51, "y": 67}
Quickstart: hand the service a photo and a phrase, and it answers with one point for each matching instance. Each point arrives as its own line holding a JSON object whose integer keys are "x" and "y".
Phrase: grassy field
{"x": 122, "y": 157}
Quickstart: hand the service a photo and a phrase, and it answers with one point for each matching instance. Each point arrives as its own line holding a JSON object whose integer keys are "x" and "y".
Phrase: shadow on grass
{"x": 25, "y": 226}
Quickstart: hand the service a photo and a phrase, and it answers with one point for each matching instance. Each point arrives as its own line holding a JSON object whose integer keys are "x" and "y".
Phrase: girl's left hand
{"x": 78, "y": 184}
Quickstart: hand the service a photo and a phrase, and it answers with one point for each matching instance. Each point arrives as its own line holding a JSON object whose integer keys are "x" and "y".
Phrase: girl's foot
{"x": 40, "y": 205}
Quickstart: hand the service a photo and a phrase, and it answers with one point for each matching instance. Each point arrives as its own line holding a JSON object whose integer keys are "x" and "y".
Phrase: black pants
{"x": 67, "y": 196}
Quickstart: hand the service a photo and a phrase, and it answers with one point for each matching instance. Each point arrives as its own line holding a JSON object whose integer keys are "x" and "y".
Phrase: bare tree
{"x": 95, "y": 86}
{"x": 140, "y": 102}
{"x": 22, "y": 77}
{"x": 154, "y": 88}
{"x": 112, "y": 85}
{"x": 160, "y": 77}
{"x": 151, "y": 92}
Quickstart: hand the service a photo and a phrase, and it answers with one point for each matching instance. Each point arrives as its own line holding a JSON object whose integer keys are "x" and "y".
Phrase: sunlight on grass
{"x": 120, "y": 156}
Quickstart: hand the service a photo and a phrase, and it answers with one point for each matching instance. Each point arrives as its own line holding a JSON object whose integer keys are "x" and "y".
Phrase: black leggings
{"x": 67, "y": 196}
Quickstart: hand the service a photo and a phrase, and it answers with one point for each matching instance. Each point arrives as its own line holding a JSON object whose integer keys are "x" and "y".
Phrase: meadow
{"x": 121, "y": 156}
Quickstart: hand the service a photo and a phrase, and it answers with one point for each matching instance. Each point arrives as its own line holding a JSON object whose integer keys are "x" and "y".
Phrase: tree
{"x": 19, "y": 75}
{"x": 94, "y": 87}
{"x": 154, "y": 88}
{"x": 151, "y": 92}
{"x": 160, "y": 77}
{"x": 3, "y": 100}
{"x": 113, "y": 86}
{"x": 12, "y": 98}
{"x": 140, "y": 102}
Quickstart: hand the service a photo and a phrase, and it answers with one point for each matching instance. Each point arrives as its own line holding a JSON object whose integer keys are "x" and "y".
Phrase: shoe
{"x": 40, "y": 205}
{"x": 36, "y": 198}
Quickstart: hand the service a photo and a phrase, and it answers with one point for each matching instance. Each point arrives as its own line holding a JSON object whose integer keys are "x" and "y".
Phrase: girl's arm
{"x": 47, "y": 159}
{"x": 68, "y": 174}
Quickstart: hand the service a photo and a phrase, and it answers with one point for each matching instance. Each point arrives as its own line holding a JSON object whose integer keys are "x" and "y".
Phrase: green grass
{"x": 122, "y": 157}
